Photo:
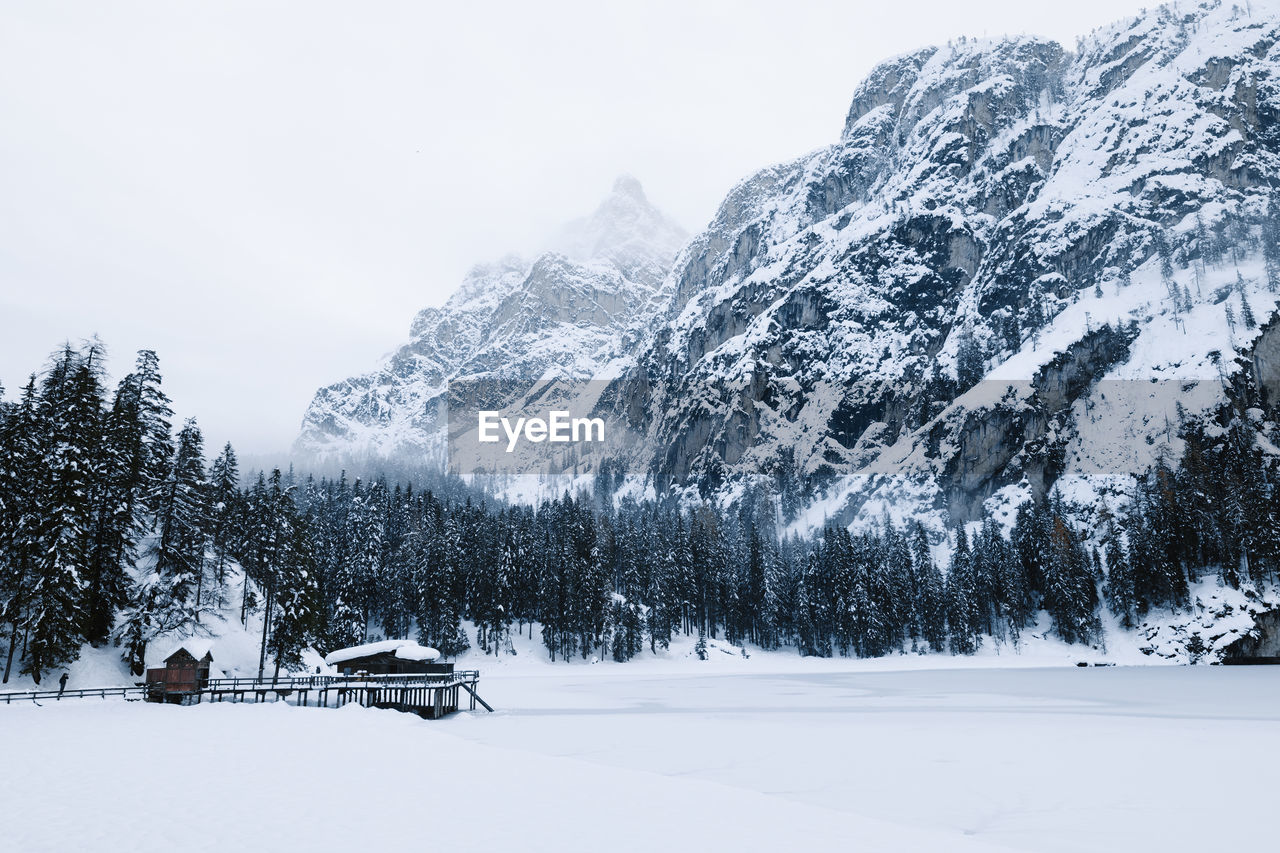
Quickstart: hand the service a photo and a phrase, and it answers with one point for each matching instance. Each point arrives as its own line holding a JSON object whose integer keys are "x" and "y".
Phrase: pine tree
{"x": 1212, "y": 248}
{"x": 120, "y": 522}
{"x": 1203, "y": 241}
{"x": 933, "y": 605}
{"x": 1238, "y": 237}
{"x": 1271, "y": 243}
{"x": 1070, "y": 589}
{"x": 1164, "y": 251}
{"x": 295, "y": 621}
{"x": 960, "y": 598}
{"x": 177, "y": 547}
{"x": 154, "y": 447}
{"x": 221, "y": 503}
{"x": 491, "y": 593}
{"x": 899, "y": 591}
{"x": 1013, "y": 592}
{"x": 71, "y": 402}
{"x": 1119, "y": 582}
{"x": 439, "y": 590}
{"x": 1011, "y": 330}
{"x": 20, "y": 439}
{"x": 663, "y": 595}
{"x": 344, "y": 624}
{"x": 1126, "y": 274}
{"x": 366, "y": 533}
{"x": 395, "y": 566}
{"x": 272, "y": 543}
{"x": 166, "y": 597}
{"x": 1246, "y": 311}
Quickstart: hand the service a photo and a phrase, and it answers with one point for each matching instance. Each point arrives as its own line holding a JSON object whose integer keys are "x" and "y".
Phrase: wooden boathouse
{"x": 185, "y": 671}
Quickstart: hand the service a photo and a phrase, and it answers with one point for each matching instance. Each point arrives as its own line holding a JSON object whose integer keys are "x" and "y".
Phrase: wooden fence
{"x": 131, "y": 693}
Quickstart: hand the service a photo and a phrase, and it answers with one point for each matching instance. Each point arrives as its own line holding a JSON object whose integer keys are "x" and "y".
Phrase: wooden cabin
{"x": 185, "y": 671}
{"x": 390, "y": 657}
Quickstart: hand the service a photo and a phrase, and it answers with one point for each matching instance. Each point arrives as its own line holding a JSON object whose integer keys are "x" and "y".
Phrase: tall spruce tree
{"x": 961, "y": 594}
{"x": 932, "y": 605}
{"x": 20, "y": 458}
{"x": 1071, "y": 595}
{"x": 71, "y": 404}
{"x": 221, "y": 504}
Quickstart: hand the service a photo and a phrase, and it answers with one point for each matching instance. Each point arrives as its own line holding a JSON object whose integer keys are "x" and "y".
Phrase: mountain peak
{"x": 566, "y": 312}
{"x": 625, "y": 229}
{"x": 627, "y": 185}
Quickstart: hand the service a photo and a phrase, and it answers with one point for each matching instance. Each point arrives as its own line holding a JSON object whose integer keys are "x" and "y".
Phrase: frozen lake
{"x": 596, "y": 758}
{"x": 1034, "y": 759}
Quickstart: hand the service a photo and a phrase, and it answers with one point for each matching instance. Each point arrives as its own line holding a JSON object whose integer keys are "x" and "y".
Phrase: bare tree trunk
{"x": 266, "y": 625}
{"x": 199, "y": 588}
{"x": 13, "y": 645}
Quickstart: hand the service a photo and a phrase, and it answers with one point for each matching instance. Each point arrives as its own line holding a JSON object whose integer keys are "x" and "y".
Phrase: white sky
{"x": 266, "y": 193}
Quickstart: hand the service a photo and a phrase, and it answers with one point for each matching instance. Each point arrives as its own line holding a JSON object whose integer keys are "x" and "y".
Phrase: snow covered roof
{"x": 196, "y": 647}
{"x": 404, "y": 649}
{"x": 417, "y": 652}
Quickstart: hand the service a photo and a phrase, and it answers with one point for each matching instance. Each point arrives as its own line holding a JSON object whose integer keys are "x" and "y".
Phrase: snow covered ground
{"x": 757, "y": 755}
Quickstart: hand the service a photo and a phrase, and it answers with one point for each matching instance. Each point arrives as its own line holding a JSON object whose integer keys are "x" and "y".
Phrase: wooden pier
{"x": 430, "y": 696}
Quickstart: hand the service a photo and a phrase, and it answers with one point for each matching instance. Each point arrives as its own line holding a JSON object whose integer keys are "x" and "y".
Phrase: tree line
{"x": 116, "y": 530}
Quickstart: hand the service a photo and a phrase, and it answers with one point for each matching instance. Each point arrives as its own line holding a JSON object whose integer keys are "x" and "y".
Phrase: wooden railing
{"x": 133, "y": 693}
{"x": 311, "y": 682}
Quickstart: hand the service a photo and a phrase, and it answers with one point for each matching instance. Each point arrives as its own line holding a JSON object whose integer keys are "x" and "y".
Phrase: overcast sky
{"x": 266, "y": 193}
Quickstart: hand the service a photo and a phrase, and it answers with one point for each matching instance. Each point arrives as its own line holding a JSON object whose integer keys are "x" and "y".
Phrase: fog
{"x": 266, "y": 193}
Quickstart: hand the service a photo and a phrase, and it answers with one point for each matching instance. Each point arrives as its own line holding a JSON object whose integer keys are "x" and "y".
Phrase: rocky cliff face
{"x": 995, "y": 212}
{"x": 567, "y": 313}
{"x": 959, "y": 302}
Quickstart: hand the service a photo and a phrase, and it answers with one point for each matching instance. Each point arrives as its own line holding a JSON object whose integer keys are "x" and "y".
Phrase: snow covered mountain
{"x": 1002, "y": 210}
{"x": 565, "y": 313}
{"x": 954, "y": 305}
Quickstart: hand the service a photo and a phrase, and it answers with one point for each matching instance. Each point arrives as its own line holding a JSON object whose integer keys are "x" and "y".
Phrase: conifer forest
{"x": 116, "y": 526}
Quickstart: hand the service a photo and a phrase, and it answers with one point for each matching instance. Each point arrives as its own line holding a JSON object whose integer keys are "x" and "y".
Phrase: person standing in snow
{"x": 62, "y": 684}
